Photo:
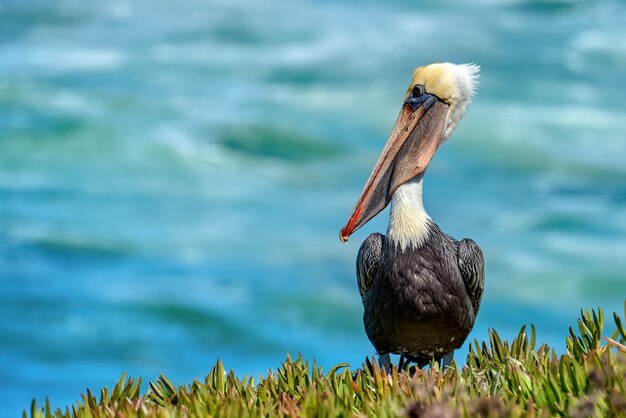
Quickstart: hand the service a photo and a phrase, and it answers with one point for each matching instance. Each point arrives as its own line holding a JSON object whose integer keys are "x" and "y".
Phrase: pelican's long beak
{"x": 416, "y": 135}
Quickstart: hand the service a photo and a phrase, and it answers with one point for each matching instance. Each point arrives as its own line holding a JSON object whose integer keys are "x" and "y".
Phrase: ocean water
{"x": 174, "y": 175}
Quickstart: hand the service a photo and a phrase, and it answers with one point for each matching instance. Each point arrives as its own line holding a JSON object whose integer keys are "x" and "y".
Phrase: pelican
{"x": 421, "y": 289}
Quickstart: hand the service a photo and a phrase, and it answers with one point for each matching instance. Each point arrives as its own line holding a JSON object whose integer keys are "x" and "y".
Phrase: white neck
{"x": 409, "y": 224}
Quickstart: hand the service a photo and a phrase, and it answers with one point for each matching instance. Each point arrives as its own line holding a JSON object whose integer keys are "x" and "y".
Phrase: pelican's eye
{"x": 418, "y": 90}
{"x": 419, "y": 97}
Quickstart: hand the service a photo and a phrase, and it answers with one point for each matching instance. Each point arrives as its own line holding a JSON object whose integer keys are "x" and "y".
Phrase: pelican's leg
{"x": 447, "y": 359}
{"x": 402, "y": 363}
{"x": 384, "y": 362}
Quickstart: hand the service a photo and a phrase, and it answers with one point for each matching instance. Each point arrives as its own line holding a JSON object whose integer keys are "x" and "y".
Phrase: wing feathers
{"x": 472, "y": 264}
{"x": 367, "y": 262}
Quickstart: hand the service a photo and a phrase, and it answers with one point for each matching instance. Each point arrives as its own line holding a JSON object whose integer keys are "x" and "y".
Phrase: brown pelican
{"x": 421, "y": 288}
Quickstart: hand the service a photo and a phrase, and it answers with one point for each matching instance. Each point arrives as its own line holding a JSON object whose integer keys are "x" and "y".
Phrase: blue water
{"x": 174, "y": 175}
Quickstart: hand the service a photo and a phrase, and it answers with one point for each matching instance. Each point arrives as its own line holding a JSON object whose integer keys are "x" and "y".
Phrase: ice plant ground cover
{"x": 515, "y": 378}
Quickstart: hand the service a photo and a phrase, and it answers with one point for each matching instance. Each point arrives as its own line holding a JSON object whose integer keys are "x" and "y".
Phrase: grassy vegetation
{"x": 500, "y": 378}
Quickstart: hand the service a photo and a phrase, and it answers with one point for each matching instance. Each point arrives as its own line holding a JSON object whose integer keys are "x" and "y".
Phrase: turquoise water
{"x": 174, "y": 175}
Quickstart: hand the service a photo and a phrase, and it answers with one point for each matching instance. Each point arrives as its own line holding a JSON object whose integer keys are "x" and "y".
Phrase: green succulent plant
{"x": 500, "y": 378}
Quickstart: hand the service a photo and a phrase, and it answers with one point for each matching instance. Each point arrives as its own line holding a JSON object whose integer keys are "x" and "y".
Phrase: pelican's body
{"x": 420, "y": 298}
{"x": 421, "y": 289}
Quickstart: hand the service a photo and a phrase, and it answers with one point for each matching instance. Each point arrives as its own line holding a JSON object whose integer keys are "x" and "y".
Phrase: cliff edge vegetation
{"x": 517, "y": 378}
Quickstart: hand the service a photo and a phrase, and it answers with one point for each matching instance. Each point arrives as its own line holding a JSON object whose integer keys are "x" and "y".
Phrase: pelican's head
{"x": 435, "y": 101}
{"x": 453, "y": 84}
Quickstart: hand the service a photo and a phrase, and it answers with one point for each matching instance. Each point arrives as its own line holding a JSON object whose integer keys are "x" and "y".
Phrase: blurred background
{"x": 174, "y": 175}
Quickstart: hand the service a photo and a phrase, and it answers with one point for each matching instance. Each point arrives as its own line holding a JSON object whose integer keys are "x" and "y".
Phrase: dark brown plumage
{"x": 421, "y": 302}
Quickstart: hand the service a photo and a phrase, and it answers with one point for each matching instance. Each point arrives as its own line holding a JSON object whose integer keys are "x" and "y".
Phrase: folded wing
{"x": 367, "y": 262}
{"x": 472, "y": 266}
